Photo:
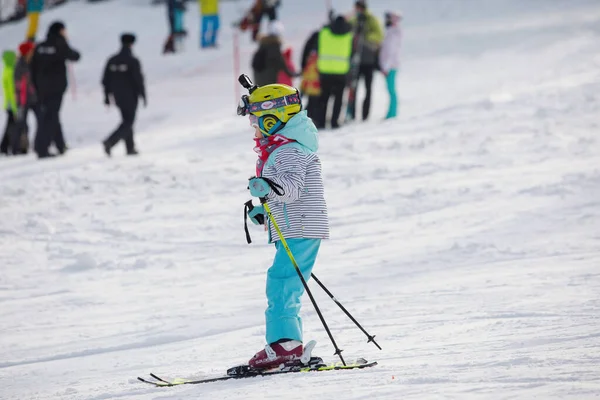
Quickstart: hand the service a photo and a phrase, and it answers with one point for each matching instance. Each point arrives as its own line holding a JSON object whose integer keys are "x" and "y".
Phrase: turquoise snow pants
{"x": 391, "y": 87}
{"x": 178, "y": 21}
{"x": 284, "y": 288}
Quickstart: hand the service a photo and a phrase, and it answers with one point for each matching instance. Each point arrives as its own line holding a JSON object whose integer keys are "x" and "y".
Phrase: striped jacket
{"x": 301, "y": 212}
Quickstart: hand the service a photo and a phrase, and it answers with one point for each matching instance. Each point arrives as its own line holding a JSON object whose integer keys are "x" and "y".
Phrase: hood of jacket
{"x": 9, "y": 58}
{"x": 340, "y": 26}
{"x": 54, "y": 29}
{"x": 301, "y": 129}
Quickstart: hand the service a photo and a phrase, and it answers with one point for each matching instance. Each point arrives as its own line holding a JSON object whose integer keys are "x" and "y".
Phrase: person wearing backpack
{"x": 123, "y": 83}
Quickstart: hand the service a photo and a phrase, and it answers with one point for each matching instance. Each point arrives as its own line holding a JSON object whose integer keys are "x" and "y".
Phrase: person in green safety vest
{"x": 334, "y": 50}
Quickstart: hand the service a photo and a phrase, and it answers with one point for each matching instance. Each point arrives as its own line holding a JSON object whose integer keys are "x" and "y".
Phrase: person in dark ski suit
{"x": 49, "y": 75}
{"x": 268, "y": 60}
{"x": 124, "y": 81}
{"x": 26, "y": 98}
{"x": 334, "y": 49}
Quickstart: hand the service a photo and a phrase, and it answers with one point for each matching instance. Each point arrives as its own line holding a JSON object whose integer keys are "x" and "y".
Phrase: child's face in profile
{"x": 254, "y": 123}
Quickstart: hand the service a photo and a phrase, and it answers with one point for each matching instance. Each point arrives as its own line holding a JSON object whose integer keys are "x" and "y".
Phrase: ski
{"x": 242, "y": 372}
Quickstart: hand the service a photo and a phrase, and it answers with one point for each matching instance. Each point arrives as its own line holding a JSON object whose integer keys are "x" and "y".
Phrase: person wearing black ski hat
{"x": 123, "y": 84}
{"x": 49, "y": 77}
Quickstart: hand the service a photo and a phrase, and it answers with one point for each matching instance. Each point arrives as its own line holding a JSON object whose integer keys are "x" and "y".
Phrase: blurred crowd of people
{"x": 349, "y": 48}
{"x": 210, "y": 21}
{"x": 36, "y": 80}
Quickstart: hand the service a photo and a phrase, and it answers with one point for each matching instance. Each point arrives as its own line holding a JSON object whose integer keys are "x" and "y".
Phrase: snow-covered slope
{"x": 465, "y": 235}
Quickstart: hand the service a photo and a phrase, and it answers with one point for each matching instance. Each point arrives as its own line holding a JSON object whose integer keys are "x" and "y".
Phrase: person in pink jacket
{"x": 389, "y": 58}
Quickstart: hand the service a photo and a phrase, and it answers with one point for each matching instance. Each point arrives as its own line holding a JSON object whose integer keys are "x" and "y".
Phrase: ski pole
{"x": 370, "y": 337}
{"x": 336, "y": 301}
{"x": 338, "y": 352}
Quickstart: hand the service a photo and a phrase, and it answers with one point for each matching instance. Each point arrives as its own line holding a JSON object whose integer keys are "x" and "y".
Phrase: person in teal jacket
{"x": 9, "y": 59}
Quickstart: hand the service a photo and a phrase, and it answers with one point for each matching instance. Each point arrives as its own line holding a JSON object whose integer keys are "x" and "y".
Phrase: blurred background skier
{"x": 311, "y": 84}
{"x": 26, "y": 97}
{"x": 268, "y": 60}
{"x": 253, "y": 17}
{"x": 49, "y": 75}
{"x": 373, "y": 37}
{"x": 334, "y": 51}
{"x": 175, "y": 11}
{"x": 209, "y": 30}
{"x": 34, "y": 8}
{"x": 389, "y": 58}
{"x": 9, "y": 59}
{"x": 123, "y": 83}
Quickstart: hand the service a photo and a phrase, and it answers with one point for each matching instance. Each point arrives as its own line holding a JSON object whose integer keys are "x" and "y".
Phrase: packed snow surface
{"x": 465, "y": 234}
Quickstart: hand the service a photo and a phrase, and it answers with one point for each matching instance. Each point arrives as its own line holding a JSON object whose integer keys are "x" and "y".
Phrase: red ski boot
{"x": 277, "y": 353}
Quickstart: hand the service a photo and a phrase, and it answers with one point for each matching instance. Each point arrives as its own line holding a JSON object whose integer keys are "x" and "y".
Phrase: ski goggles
{"x": 244, "y": 107}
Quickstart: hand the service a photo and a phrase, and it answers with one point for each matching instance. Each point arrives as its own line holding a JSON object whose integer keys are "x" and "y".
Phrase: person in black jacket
{"x": 49, "y": 76}
{"x": 268, "y": 60}
{"x": 124, "y": 81}
{"x": 333, "y": 67}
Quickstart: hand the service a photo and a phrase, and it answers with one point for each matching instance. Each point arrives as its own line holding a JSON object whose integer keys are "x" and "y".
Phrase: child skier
{"x": 389, "y": 58}
{"x": 288, "y": 176}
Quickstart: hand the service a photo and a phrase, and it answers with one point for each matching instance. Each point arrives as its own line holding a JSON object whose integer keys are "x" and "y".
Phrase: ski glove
{"x": 257, "y": 215}
{"x": 259, "y": 187}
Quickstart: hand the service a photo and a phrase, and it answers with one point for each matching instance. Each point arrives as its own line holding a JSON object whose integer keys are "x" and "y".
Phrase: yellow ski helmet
{"x": 272, "y": 106}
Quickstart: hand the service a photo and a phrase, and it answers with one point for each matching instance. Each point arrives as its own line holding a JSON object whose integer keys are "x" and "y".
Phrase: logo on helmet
{"x": 267, "y": 105}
